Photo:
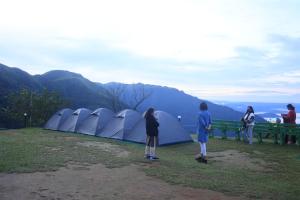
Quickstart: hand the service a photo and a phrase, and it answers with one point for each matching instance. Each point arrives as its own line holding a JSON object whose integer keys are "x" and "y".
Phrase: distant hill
{"x": 263, "y": 109}
{"x": 14, "y": 79}
{"x": 81, "y": 92}
{"x": 76, "y": 89}
{"x": 176, "y": 102}
{"x": 260, "y": 107}
{"x": 268, "y": 115}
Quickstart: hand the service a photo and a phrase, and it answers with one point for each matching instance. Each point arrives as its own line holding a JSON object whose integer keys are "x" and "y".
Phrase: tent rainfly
{"x": 74, "y": 121}
{"x": 58, "y": 118}
{"x": 126, "y": 125}
{"x": 121, "y": 125}
{"x": 170, "y": 130}
{"x": 95, "y": 121}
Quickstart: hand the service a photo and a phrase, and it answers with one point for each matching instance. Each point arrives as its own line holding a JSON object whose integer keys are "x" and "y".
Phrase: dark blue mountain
{"x": 175, "y": 102}
{"x": 76, "y": 89}
{"x": 81, "y": 92}
{"x": 14, "y": 79}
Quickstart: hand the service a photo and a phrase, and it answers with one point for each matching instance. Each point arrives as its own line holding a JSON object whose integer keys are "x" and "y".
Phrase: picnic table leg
{"x": 224, "y": 136}
{"x": 259, "y": 137}
{"x": 282, "y": 137}
{"x": 212, "y": 133}
{"x": 276, "y": 136}
{"x": 238, "y": 135}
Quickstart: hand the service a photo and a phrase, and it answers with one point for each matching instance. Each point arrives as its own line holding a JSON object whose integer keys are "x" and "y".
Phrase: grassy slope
{"x": 29, "y": 150}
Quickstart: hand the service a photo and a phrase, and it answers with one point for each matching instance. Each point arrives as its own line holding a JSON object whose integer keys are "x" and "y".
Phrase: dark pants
{"x": 151, "y": 141}
{"x": 290, "y": 138}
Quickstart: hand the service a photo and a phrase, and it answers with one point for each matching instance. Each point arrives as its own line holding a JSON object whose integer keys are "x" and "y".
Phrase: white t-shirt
{"x": 248, "y": 117}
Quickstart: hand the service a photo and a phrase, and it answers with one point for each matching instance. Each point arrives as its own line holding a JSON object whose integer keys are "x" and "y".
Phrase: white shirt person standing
{"x": 249, "y": 120}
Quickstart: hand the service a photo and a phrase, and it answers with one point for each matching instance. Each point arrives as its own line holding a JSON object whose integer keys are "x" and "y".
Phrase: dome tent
{"x": 95, "y": 121}
{"x": 74, "y": 121}
{"x": 121, "y": 125}
{"x": 170, "y": 130}
{"x": 127, "y": 125}
{"x": 58, "y": 118}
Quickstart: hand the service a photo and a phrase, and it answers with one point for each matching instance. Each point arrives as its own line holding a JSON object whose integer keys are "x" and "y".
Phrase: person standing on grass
{"x": 249, "y": 121}
{"x": 203, "y": 126}
{"x": 290, "y": 118}
{"x": 152, "y": 135}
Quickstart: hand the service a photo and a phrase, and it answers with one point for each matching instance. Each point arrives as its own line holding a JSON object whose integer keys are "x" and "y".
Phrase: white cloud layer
{"x": 177, "y": 29}
{"x": 215, "y": 44}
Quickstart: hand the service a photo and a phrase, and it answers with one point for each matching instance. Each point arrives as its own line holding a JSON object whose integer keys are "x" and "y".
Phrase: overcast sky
{"x": 236, "y": 50}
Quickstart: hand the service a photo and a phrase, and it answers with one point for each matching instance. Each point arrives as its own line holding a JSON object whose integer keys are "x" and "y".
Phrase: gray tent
{"x": 74, "y": 121}
{"x": 170, "y": 130}
{"x": 58, "y": 118}
{"x": 121, "y": 125}
{"x": 95, "y": 121}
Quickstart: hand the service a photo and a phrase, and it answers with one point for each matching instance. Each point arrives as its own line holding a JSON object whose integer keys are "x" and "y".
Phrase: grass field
{"x": 264, "y": 171}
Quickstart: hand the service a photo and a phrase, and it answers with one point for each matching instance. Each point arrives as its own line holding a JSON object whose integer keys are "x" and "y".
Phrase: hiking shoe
{"x": 153, "y": 158}
{"x": 147, "y": 156}
{"x": 199, "y": 159}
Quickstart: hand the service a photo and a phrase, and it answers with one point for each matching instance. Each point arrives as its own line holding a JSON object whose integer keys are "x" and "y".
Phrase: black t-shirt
{"x": 151, "y": 126}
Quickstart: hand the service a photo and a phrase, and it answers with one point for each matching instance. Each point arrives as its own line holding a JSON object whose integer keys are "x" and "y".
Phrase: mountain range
{"x": 81, "y": 92}
{"x": 177, "y": 103}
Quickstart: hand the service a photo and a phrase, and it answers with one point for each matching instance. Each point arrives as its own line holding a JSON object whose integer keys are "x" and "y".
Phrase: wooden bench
{"x": 260, "y": 131}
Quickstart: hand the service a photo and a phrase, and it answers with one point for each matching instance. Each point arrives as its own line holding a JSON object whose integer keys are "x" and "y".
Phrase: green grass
{"x": 29, "y": 150}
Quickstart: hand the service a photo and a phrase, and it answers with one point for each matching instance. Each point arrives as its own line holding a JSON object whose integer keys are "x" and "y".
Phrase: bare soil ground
{"x": 41, "y": 164}
{"x": 77, "y": 182}
{"x": 107, "y": 147}
{"x": 240, "y": 160}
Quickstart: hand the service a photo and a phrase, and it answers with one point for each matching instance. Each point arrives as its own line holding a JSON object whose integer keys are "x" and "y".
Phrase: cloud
{"x": 205, "y": 47}
{"x": 237, "y": 93}
{"x": 249, "y": 53}
{"x": 185, "y": 31}
{"x": 292, "y": 77}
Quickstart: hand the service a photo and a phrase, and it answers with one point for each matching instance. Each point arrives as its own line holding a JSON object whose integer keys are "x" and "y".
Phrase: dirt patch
{"x": 238, "y": 159}
{"x": 107, "y": 147}
{"x": 53, "y": 148}
{"x": 9, "y": 133}
{"x": 258, "y": 152}
{"x": 97, "y": 182}
{"x": 71, "y": 138}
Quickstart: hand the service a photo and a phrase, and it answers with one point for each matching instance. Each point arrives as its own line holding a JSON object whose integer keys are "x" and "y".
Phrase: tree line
{"x": 29, "y": 108}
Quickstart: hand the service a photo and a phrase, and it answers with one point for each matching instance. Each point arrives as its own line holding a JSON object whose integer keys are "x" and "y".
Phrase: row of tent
{"x": 126, "y": 125}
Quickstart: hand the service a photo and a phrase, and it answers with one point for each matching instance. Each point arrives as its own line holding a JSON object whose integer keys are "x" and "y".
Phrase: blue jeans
{"x": 248, "y": 133}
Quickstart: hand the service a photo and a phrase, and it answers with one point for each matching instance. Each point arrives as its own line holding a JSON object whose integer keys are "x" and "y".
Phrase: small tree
{"x": 38, "y": 107}
{"x": 139, "y": 95}
{"x": 44, "y": 105}
{"x": 18, "y": 104}
{"x": 116, "y": 91}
